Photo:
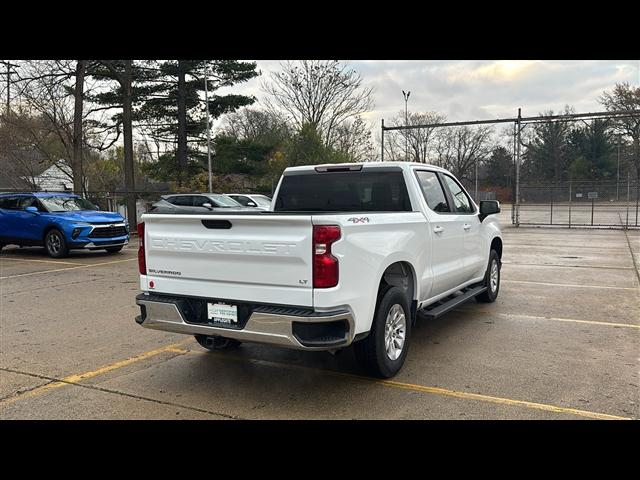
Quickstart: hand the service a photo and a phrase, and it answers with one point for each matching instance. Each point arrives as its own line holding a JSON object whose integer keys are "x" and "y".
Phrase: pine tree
{"x": 175, "y": 106}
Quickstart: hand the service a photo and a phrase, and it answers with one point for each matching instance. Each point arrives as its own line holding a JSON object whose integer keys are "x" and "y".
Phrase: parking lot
{"x": 561, "y": 342}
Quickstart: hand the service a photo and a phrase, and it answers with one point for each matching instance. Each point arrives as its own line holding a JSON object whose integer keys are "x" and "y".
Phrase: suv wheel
{"x": 214, "y": 343}
{"x": 56, "y": 244}
{"x": 491, "y": 280}
{"x": 382, "y": 353}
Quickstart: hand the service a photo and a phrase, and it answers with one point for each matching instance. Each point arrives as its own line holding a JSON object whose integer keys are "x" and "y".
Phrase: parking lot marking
{"x": 68, "y": 268}
{"x": 74, "y": 379}
{"x": 570, "y": 285}
{"x": 606, "y": 267}
{"x": 431, "y": 390}
{"x": 39, "y": 261}
{"x": 636, "y": 267}
{"x": 555, "y": 319}
{"x": 501, "y": 400}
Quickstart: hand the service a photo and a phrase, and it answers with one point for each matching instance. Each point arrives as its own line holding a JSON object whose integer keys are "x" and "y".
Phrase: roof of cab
{"x": 366, "y": 165}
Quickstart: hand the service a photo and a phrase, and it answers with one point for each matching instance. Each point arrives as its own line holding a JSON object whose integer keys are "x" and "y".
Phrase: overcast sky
{"x": 475, "y": 89}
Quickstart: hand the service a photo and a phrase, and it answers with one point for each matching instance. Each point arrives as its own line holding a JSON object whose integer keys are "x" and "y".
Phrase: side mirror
{"x": 252, "y": 204}
{"x": 207, "y": 205}
{"x": 31, "y": 209}
{"x": 488, "y": 207}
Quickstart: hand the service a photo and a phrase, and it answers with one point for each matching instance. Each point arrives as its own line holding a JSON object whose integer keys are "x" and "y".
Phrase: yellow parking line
{"x": 72, "y": 379}
{"x": 68, "y": 268}
{"x": 39, "y": 261}
{"x": 432, "y": 390}
{"x": 175, "y": 348}
{"x": 41, "y": 272}
{"x": 112, "y": 262}
{"x": 501, "y": 400}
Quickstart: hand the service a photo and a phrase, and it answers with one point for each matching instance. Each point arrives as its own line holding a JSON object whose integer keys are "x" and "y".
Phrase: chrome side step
{"x": 443, "y": 306}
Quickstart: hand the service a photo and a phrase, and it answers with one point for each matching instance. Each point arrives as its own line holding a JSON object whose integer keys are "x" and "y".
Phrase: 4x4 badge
{"x": 358, "y": 219}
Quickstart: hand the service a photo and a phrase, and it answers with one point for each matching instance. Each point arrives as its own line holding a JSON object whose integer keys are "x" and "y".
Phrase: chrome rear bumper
{"x": 261, "y": 326}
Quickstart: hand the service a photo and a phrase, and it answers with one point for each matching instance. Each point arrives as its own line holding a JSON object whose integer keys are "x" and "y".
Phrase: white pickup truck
{"x": 347, "y": 255}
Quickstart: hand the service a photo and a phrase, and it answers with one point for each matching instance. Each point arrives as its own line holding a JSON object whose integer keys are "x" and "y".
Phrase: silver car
{"x": 255, "y": 201}
{"x": 195, "y": 203}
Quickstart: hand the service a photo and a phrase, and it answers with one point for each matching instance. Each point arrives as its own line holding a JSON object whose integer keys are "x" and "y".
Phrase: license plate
{"x": 222, "y": 313}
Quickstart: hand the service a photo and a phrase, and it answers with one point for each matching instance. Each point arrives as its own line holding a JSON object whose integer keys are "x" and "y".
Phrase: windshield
{"x": 224, "y": 201}
{"x": 261, "y": 200}
{"x": 66, "y": 204}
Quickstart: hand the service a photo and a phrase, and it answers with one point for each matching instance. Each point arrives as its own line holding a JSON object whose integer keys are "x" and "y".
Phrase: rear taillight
{"x": 142, "y": 264}
{"x": 325, "y": 265}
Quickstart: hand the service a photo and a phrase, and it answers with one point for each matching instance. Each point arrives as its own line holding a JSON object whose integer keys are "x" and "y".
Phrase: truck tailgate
{"x": 255, "y": 258}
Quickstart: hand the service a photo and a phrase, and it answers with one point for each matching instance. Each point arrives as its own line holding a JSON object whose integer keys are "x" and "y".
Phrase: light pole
{"x": 206, "y": 99}
{"x": 406, "y": 124}
{"x": 9, "y": 65}
{"x": 618, "y": 171}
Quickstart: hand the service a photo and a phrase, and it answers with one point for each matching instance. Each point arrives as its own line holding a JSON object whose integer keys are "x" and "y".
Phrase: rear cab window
{"x": 366, "y": 190}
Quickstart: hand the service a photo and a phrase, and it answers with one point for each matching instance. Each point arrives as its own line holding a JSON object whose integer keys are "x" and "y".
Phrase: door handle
{"x": 438, "y": 229}
{"x": 466, "y": 226}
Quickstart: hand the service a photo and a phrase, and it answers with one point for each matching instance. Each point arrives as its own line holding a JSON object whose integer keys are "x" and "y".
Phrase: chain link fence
{"x": 579, "y": 204}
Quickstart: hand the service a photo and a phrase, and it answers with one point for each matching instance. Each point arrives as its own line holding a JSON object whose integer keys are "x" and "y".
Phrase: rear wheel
{"x": 114, "y": 249}
{"x": 217, "y": 343}
{"x": 491, "y": 280}
{"x": 56, "y": 244}
{"x": 384, "y": 350}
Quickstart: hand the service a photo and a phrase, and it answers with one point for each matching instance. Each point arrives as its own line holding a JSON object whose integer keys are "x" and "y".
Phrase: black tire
{"x": 114, "y": 249}
{"x": 56, "y": 244}
{"x": 371, "y": 352}
{"x": 217, "y": 343}
{"x": 491, "y": 293}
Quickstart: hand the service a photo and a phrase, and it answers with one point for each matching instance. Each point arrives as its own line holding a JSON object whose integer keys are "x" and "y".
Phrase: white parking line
{"x": 571, "y": 285}
{"x": 555, "y": 319}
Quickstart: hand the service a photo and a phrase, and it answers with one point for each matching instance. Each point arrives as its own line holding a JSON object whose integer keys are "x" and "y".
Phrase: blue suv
{"x": 59, "y": 222}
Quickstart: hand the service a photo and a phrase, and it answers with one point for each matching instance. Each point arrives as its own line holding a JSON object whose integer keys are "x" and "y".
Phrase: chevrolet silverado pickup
{"x": 347, "y": 254}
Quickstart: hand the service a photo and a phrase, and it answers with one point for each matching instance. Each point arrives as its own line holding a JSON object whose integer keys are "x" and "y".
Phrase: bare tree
{"x": 354, "y": 141}
{"x": 52, "y": 92}
{"x": 42, "y": 123}
{"x": 256, "y": 125}
{"x": 460, "y": 149}
{"x": 420, "y": 140}
{"x": 323, "y": 94}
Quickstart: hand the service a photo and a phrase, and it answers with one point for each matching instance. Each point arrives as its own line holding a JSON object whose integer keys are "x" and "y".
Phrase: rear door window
{"x": 242, "y": 200}
{"x": 182, "y": 201}
{"x": 432, "y": 191}
{"x": 10, "y": 203}
{"x": 357, "y": 191}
